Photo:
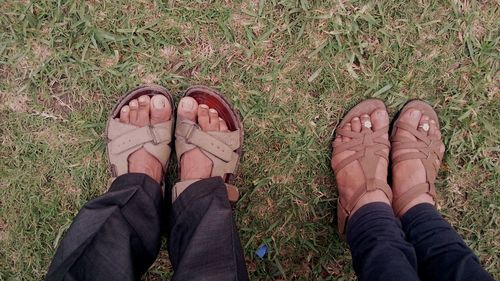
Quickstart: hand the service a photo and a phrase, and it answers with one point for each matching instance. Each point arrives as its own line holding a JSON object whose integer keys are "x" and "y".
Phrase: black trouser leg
{"x": 203, "y": 240}
{"x": 441, "y": 253}
{"x": 378, "y": 246}
{"x": 115, "y": 236}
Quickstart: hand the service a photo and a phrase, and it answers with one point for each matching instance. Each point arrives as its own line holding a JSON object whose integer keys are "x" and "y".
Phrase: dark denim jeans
{"x": 422, "y": 246}
{"x": 117, "y": 236}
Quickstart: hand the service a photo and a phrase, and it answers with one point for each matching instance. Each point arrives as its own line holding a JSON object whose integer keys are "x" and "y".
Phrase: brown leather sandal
{"x": 124, "y": 139}
{"x": 368, "y": 146}
{"x": 428, "y": 152}
{"x": 223, "y": 148}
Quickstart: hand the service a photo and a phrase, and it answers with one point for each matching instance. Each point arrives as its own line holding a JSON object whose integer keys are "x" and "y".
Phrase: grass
{"x": 292, "y": 68}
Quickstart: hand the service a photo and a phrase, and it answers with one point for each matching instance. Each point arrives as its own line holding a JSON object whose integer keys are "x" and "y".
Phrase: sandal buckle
{"x": 190, "y": 132}
{"x": 155, "y": 138}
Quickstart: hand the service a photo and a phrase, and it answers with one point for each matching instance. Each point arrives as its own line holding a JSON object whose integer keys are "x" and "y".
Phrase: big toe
{"x": 379, "y": 118}
{"x": 411, "y": 117}
{"x": 160, "y": 109}
{"x": 188, "y": 108}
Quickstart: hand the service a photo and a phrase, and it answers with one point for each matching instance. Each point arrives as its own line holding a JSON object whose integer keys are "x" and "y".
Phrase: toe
{"x": 347, "y": 127}
{"x": 356, "y": 124}
{"x": 188, "y": 109}
{"x": 203, "y": 117}
{"x": 143, "y": 112}
{"x": 134, "y": 108}
{"x": 379, "y": 119}
{"x": 433, "y": 130}
{"x": 338, "y": 138}
{"x": 160, "y": 109}
{"x": 366, "y": 123}
{"x": 423, "y": 125}
{"x": 412, "y": 117}
{"x": 213, "y": 120}
{"x": 125, "y": 114}
{"x": 222, "y": 125}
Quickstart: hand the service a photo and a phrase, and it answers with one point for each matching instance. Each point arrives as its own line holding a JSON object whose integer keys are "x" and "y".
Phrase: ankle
{"x": 371, "y": 197}
{"x": 423, "y": 198}
{"x": 154, "y": 170}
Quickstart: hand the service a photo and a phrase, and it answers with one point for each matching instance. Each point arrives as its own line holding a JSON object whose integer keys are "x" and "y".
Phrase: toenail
{"x": 355, "y": 118}
{"x": 187, "y": 104}
{"x": 125, "y": 109}
{"x": 133, "y": 103}
{"x": 159, "y": 103}
{"x": 142, "y": 99}
{"x": 414, "y": 113}
{"x": 433, "y": 122}
{"x": 212, "y": 110}
{"x": 204, "y": 106}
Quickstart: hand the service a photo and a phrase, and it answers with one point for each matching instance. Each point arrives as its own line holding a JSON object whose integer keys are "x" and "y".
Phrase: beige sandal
{"x": 428, "y": 152}
{"x": 368, "y": 146}
{"x": 124, "y": 139}
{"x": 223, "y": 148}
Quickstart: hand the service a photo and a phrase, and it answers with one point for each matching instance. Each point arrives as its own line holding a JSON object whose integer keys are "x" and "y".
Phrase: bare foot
{"x": 351, "y": 177}
{"x": 195, "y": 164}
{"x": 142, "y": 112}
{"x": 409, "y": 173}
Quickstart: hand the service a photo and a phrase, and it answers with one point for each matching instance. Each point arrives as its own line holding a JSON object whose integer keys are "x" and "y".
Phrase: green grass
{"x": 292, "y": 68}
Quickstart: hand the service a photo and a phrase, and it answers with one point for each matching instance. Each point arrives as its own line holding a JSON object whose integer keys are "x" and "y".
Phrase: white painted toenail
{"x": 142, "y": 99}
{"x": 187, "y": 104}
{"x": 125, "y": 109}
{"x": 159, "y": 103}
{"x": 367, "y": 124}
{"x": 425, "y": 127}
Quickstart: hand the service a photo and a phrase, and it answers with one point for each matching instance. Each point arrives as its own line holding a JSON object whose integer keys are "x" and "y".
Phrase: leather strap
{"x": 344, "y": 210}
{"x": 191, "y": 133}
{"x": 218, "y": 146}
{"x": 368, "y": 146}
{"x": 232, "y": 191}
{"x": 125, "y": 139}
{"x": 427, "y": 152}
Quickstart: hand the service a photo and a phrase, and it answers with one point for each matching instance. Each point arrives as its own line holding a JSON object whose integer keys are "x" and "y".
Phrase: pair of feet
{"x": 195, "y": 165}
{"x": 146, "y": 111}
{"x": 405, "y": 174}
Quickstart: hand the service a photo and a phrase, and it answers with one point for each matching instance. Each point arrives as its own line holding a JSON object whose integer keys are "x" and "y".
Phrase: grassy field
{"x": 292, "y": 67}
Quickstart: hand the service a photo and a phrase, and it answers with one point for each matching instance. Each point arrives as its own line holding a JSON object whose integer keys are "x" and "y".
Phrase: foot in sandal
{"x": 360, "y": 159}
{"x": 194, "y": 164}
{"x": 416, "y": 156}
{"x": 209, "y": 135}
{"x": 139, "y": 132}
{"x": 142, "y": 112}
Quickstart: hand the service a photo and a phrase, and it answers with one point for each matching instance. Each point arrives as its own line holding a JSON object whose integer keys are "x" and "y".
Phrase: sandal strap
{"x": 401, "y": 201}
{"x": 427, "y": 152}
{"x": 344, "y": 210}
{"x": 125, "y": 139}
{"x": 232, "y": 191}
{"x": 368, "y": 146}
{"x": 218, "y": 146}
{"x": 365, "y": 143}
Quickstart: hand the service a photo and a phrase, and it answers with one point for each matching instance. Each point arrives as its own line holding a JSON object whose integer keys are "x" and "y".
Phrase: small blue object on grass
{"x": 261, "y": 251}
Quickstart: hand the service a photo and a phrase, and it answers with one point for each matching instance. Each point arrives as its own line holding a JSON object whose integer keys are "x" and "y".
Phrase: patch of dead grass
{"x": 15, "y": 102}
